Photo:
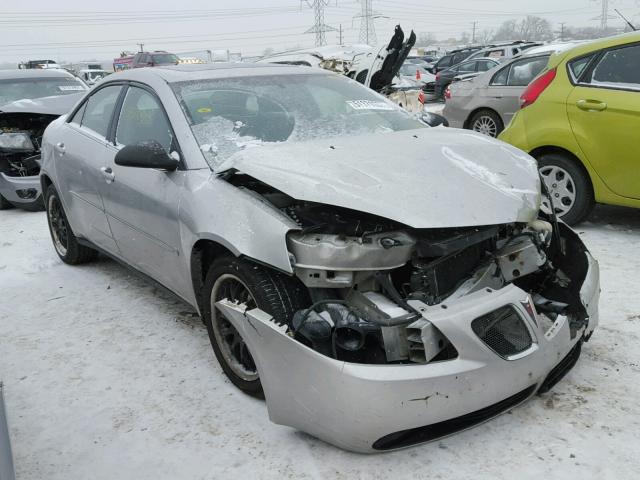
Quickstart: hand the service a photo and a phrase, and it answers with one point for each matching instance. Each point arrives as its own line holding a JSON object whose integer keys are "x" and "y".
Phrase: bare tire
{"x": 36, "y": 206}
{"x": 64, "y": 241}
{"x": 569, "y": 186}
{"x": 5, "y": 204}
{"x": 486, "y": 122}
{"x": 256, "y": 286}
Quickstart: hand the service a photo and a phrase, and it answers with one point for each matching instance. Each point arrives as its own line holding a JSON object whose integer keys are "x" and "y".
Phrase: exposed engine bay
{"x": 20, "y": 141}
{"x": 370, "y": 278}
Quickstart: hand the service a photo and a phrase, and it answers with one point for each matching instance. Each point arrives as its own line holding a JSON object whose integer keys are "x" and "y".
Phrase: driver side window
{"x": 142, "y": 119}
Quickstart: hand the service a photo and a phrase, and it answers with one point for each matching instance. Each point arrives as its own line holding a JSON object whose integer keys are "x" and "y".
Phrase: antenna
{"x": 631, "y": 26}
{"x": 319, "y": 27}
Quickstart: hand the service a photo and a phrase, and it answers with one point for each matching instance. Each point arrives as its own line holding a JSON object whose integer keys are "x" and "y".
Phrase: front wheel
{"x": 569, "y": 186}
{"x": 64, "y": 241}
{"x": 255, "y": 286}
{"x": 5, "y": 204}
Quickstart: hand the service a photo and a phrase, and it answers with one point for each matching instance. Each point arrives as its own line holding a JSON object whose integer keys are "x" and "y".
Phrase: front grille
{"x": 413, "y": 436}
{"x": 503, "y": 331}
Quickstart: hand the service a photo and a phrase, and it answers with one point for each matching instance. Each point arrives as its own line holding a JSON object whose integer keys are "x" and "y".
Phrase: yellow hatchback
{"x": 580, "y": 118}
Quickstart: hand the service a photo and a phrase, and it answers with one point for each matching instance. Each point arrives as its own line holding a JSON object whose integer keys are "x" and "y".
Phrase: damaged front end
{"x": 416, "y": 333}
{"x": 20, "y": 140}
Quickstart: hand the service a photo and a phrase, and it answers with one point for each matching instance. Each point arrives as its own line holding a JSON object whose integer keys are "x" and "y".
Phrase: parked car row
{"x": 575, "y": 108}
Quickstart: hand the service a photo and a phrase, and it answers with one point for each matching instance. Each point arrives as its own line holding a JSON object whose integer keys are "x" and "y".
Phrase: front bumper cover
{"x": 367, "y": 408}
{"x": 20, "y": 190}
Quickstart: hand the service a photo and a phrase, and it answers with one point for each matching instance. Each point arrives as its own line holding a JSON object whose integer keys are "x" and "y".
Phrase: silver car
{"x": 380, "y": 282}
{"x": 487, "y": 102}
{"x": 29, "y": 101}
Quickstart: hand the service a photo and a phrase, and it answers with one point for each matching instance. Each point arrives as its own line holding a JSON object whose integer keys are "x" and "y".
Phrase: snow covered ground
{"x": 108, "y": 378}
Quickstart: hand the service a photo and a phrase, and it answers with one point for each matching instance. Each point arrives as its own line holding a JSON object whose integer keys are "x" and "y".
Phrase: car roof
{"x": 34, "y": 73}
{"x": 188, "y": 72}
{"x": 612, "y": 41}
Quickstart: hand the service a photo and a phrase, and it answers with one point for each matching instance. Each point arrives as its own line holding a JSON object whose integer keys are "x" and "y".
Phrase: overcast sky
{"x": 81, "y": 29}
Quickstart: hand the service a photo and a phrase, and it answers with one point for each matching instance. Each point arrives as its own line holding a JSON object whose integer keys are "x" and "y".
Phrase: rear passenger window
{"x": 500, "y": 78}
{"x": 99, "y": 108}
{"x": 619, "y": 68}
{"x": 525, "y": 70}
{"x": 577, "y": 66}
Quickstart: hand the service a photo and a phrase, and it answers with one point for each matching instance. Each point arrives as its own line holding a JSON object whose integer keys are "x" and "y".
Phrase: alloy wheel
{"x": 58, "y": 225}
{"x": 486, "y": 125}
{"x": 232, "y": 346}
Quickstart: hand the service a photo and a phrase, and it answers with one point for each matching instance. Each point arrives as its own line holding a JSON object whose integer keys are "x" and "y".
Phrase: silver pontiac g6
{"x": 380, "y": 282}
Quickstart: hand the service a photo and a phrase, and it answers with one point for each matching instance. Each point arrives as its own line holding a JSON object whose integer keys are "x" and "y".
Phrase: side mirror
{"x": 149, "y": 154}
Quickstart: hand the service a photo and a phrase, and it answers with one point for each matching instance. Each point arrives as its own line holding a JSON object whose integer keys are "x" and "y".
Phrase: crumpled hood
{"x": 424, "y": 178}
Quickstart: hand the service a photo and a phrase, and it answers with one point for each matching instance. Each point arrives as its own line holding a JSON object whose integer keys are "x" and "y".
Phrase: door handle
{"x": 108, "y": 174}
{"x": 591, "y": 105}
{"x": 60, "y": 148}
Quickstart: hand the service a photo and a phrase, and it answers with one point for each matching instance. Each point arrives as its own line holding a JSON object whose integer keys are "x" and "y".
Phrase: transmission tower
{"x": 604, "y": 15}
{"x": 319, "y": 27}
{"x": 367, "y": 27}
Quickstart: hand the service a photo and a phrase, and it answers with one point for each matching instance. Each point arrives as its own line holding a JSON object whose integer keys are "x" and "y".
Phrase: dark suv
{"x": 154, "y": 59}
{"x": 454, "y": 57}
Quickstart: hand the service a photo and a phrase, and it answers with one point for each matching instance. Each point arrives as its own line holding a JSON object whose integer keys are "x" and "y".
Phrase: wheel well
{"x": 45, "y": 182}
{"x": 538, "y": 152}
{"x": 480, "y": 109}
{"x": 203, "y": 254}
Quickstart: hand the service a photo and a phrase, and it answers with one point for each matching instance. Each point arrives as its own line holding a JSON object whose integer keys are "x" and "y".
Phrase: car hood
{"x": 56, "y": 105}
{"x": 424, "y": 178}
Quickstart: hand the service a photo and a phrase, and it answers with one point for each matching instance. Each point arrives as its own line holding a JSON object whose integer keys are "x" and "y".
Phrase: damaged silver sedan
{"x": 382, "y": 283}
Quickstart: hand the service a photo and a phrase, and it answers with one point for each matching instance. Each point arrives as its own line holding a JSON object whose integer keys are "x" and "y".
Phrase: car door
{"x": 142, "y": 203}
{"x": 508, "y": 83}
{"x": 604, "y": 113}
{"x": 81, "y": 152}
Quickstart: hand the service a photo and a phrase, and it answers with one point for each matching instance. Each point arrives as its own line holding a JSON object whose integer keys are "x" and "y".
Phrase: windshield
{"x": 164, "y": 59}
{"x": 229, "y": 115}
{"x": 27, "y": 88}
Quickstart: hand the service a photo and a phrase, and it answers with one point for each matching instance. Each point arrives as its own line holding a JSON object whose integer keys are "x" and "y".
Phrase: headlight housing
{"x": 16, "y": 141}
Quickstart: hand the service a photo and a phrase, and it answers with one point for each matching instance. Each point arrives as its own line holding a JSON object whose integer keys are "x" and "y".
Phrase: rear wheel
{"x": 255, "y": 286}
{"x": 569, "y": 186}
{"x": 486, "y": 122}
{"x": 64, "y": 241}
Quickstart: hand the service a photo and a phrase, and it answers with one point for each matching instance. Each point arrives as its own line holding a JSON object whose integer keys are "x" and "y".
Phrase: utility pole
{"x": 141, "y": 45}
{"x": 340, "y": 35}
{"x": 319, "y": 27}
{"x": 473, "y": 35}
{"x": 562, "y": 24}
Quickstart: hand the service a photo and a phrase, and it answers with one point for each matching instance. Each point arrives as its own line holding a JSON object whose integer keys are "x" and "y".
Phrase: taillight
{"x": 536, "y": 88}
{"x": 447, "y": 93}
{"x": 437, "y": 76}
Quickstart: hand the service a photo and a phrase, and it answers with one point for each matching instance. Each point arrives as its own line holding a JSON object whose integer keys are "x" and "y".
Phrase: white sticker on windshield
{"x": 368, "y": 105}
{"x": 68, "y": 88}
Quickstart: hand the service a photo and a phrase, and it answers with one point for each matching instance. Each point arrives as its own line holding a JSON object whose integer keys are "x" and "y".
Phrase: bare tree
{"x": 425, "y": 39}
{"x": 529, "y": 28}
